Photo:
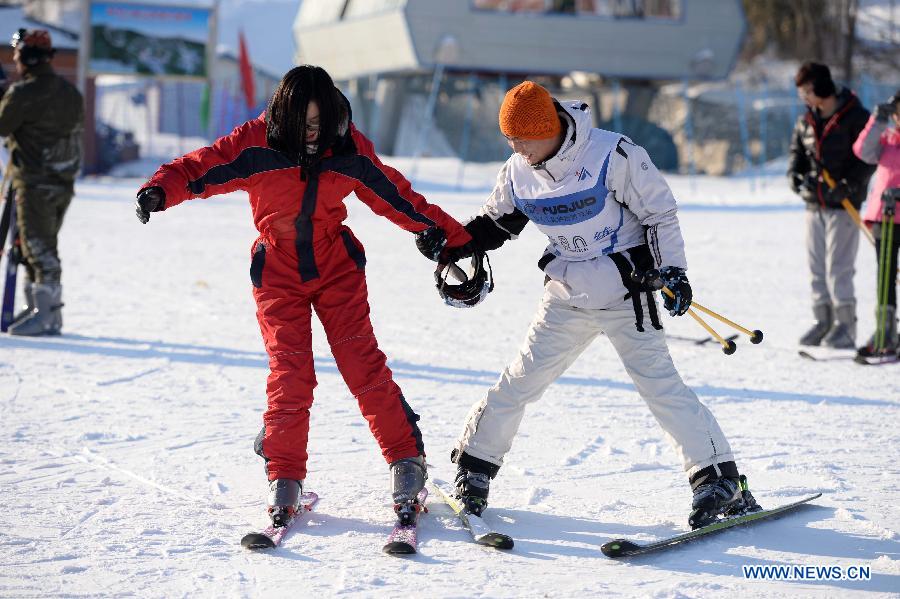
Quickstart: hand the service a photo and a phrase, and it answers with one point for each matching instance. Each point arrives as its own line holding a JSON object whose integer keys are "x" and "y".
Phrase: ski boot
{"x": 843, "y": 334}
{"x": 717, "y": 489}
{"x": 472, "y": 489}
{"x": 29, "y": 306}
{"x": 284, "y": 500}
{"x": 824, "y": 315}
{"x": 746, "y": 504}
{"x": 407, "y": 479}
{"x": 42, "y": 320}
{"x": 883, "y": 341}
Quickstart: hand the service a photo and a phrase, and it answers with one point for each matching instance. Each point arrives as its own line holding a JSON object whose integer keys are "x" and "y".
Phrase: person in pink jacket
{"x": 879, "y": 143}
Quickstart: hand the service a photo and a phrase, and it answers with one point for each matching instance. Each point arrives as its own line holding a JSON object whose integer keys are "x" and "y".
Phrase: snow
{"x": 126, "y": 447}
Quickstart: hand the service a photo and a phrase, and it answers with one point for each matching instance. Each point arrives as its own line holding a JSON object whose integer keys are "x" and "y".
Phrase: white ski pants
{"x": 558, "y": 334}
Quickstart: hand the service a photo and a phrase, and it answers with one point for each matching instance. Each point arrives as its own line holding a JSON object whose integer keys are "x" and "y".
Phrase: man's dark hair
{"x": 286, "y": 113}
{"x": 819, "y": 75}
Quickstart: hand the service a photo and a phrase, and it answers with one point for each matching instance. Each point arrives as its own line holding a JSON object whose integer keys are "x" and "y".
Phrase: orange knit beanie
{"x": 528, "y": 113}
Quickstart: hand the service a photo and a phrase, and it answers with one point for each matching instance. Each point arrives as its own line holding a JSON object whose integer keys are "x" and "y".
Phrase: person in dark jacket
{"x": 42, "y": 118}
{"x": 299, "y": 161}
{"x": 822, "y": 142}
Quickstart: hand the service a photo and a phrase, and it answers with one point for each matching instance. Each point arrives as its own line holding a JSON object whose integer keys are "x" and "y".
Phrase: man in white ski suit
{"x": 608, "y": 213}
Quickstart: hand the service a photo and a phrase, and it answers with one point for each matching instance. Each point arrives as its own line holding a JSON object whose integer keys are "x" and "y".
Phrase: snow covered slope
{"x": 126, "y": 444}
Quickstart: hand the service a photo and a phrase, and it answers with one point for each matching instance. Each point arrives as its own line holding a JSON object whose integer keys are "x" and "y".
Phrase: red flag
{"x": 246, "y": 73}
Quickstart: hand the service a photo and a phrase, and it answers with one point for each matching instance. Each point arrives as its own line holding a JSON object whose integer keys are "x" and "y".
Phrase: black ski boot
{"x": 473, "y": 480}
{"x": 407, "y": 479}
{"x": 472, "y": 489}
{"x": 717, "y": 490}
{"x": 284, "y": 499}
{"x": 747, "y": 502}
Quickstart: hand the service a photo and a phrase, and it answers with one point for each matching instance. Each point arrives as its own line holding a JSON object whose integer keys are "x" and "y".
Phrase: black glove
{"x": 459, "y": 252}
{"x": 834, "y": 196}
{"x": 884, "y": 111}
{"x": 149, "y": 199}
{"x": 431, "y": 242}
{"x": 803, "y": 182}
{"x": 675, "y": 279}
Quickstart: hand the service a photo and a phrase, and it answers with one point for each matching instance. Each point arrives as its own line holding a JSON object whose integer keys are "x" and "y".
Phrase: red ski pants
{"x": 284, "y": 311}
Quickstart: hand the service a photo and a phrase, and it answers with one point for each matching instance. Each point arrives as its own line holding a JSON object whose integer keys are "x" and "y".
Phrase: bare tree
{"x": 821, "y": 30}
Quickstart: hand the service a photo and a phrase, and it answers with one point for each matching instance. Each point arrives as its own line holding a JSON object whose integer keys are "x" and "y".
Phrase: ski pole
{"x": 888, "y": 208}
{"x": 756, "y": 336}
{"x": 728, "y": 346}
{"x": 8, "y": 213}
{"x": 850, "y": 208}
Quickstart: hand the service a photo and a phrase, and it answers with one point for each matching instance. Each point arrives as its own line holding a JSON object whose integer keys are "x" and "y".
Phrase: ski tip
{"x": 399, "y": 548}
{"x": 255, "y": 540}
{"x": 619, "y": 548}
{"x": 500, "y": 541}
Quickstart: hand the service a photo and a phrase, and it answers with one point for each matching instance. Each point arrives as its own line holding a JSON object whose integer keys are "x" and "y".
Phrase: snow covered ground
{"x": 126, "y": 444}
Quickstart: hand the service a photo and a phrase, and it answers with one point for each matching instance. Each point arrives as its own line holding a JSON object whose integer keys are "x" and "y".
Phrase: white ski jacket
{"x": 598, "y": 199}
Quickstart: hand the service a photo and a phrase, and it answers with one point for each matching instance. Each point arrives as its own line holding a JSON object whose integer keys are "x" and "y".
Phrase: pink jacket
{"x": 879, "y": 143}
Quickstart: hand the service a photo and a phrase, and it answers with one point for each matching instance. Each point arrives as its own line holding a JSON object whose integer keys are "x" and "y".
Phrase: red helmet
{"x": 34, "y": 45}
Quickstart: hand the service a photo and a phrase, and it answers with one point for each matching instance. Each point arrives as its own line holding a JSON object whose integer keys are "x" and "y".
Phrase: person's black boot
{"x": 472, "y": 489}
{"x": 407, "y": 479}
{"x": 717, "y": 490}
{"x": 284, "y": 499}
{"x": 473, "y": 480}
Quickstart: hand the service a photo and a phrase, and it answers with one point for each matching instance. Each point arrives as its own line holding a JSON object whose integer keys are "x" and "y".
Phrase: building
{"x": 389, "y": 51}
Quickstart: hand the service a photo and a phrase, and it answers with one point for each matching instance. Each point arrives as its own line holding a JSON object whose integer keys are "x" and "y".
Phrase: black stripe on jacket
{"x": 248, "y": 163}
{"x": 365, "y": 171}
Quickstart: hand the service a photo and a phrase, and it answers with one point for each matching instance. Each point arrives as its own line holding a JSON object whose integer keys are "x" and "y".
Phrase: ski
{"x": 12, "y": 267}
{"x": 403, "y": 540}
{"x": 698, "y": 341}
{"x": 809, "y": 356}
{"x": 6, "y": 217}
{"x": 477, "y": 527}
{"x": 864, "y": 360}
{"x": 876, "y": 360}
{"x": 272, "y": 535}
{"x": 625, "y": 548}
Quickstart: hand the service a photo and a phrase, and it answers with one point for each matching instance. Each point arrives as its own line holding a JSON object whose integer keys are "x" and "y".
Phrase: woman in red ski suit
{"x": 298, "y": 162}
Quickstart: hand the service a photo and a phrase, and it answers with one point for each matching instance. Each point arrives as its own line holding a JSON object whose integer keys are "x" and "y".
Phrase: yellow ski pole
{"x": 850, "y": 208}
{"x": 728, "y": 347}
{"x": 756, "y": 336}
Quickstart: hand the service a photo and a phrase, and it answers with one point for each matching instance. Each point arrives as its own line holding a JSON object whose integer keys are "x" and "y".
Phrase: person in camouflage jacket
{"x": 41, "y": 119}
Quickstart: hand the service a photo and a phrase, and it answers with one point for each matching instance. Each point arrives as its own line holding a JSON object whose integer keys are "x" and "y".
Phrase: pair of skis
{"x": 403, "y": 539}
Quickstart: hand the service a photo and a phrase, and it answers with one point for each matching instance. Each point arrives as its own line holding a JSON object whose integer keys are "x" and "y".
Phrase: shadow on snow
{"x": 223, "y": 356}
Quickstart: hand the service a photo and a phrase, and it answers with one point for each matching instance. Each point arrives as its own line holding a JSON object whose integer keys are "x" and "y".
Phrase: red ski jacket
{"x": 298, "y": 206}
